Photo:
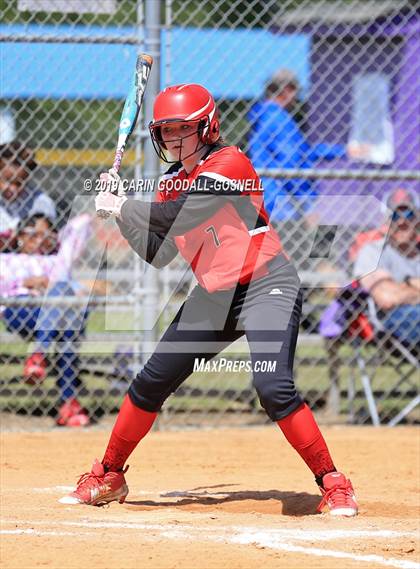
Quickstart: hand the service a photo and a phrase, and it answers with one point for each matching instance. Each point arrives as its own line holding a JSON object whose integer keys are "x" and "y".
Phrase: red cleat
{"x": 35, "y": 369}
{"x": 338, "y": 495}
{"x": 98, "y": 487}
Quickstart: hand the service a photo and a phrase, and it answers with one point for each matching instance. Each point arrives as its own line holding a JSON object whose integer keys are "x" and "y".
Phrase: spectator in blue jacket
{"x": 277, "y": 141}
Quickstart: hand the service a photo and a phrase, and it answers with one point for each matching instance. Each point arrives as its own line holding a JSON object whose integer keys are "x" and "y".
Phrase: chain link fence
{"x": 324, "y": 97}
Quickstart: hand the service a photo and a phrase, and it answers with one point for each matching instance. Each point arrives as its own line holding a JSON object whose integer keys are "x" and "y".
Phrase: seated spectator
{"x": 278, "y": 141}
{"x": 35, "y": 269}
{"x": 19, "y": 199}
{"x": 400, "y": 196}
{"x": 388, "y": 269}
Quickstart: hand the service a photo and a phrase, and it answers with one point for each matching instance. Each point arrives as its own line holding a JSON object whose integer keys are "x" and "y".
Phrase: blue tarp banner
{"x": 232, "y": 64}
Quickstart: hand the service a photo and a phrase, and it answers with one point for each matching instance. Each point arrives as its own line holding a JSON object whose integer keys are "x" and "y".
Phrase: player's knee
{"x": 144, "y": 394}
{"x": 277, "y": 397}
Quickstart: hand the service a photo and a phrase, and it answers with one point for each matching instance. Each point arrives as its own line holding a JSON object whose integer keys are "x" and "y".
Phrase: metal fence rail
{"x": 340, "y": 174}
{"x": 323, "y": 96}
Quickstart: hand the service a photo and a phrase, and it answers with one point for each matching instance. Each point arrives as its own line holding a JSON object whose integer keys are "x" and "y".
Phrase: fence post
{"x": 151, "y": 161}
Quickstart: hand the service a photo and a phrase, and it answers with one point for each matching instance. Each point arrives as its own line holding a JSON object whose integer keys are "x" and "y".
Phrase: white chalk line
{"x": 273, "y": 538}
{"x": 283, "y": 533}
{"x": 259, "y": 538}
{"x": 31, "y": 531}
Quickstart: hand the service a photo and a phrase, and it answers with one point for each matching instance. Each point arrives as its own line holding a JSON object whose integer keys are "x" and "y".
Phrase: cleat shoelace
{"x": 339, "y": 495}
{"x": 90, "y": 479}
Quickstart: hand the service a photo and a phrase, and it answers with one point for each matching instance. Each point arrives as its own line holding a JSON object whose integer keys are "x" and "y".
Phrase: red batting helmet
{"x": 187, "y": 102}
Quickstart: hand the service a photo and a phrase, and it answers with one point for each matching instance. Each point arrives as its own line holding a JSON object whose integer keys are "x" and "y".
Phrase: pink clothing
{"x": 16, "y": 267}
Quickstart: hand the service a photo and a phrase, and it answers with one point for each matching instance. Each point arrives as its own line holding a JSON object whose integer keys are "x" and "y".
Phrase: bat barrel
{"x": 131, "y": 110}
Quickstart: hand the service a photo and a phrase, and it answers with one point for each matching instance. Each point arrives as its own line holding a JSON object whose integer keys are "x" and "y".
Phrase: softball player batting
{"x": 210, "y": 208}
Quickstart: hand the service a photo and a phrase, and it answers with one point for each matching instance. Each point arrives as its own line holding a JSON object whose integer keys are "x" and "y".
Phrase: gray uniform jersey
{"x": 378, "y": 255}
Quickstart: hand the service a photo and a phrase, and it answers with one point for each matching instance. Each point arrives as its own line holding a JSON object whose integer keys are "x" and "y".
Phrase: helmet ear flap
{"x": 214, "y": 130}
{"x": 210, "y": 130}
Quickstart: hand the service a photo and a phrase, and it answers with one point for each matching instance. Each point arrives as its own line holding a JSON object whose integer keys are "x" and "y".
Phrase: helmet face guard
{"x": 160, "y": 147}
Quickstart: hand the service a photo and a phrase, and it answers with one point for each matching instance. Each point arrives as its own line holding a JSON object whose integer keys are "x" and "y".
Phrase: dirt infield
{"x": 210, "y": 499}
